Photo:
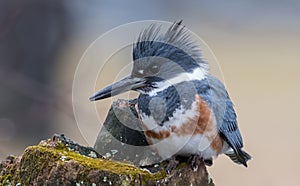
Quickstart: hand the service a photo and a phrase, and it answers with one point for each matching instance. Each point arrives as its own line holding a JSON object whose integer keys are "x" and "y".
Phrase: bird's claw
{"x": 195, "y": 161}
{"x": 208, "y": 162}
{"x": 172, "y": 164}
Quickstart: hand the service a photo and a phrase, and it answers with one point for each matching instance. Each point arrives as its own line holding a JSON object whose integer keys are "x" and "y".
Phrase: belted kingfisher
{"x": 183, "y": 109}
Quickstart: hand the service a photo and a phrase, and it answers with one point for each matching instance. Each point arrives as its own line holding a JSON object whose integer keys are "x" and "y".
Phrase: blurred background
{"x": 257, "y": 44}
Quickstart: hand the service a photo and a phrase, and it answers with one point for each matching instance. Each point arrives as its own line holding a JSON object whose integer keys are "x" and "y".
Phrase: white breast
{"x": 179, "y": 144}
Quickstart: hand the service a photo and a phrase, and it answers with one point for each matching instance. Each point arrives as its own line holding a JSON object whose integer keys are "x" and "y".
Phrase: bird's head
{"x": 160, "y": 60}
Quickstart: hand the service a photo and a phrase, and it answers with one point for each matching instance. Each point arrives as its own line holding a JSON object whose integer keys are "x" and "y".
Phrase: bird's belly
{"x": 184, "y": 139}
{"x": 190, "y": 132}
{"x": 185, "y": 146}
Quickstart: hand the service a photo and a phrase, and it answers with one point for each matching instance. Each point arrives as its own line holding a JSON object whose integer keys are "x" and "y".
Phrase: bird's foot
{"x": 172, "y": 164}
{"x": 208, "y": 162}
{"x": 195, "y": 161}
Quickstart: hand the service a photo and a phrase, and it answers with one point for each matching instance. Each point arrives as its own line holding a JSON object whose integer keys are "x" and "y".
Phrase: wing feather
{"x": 214, "y": 92}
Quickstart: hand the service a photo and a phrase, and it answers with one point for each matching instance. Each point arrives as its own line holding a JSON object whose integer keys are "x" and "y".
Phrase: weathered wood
{"x": 121, "y": 137}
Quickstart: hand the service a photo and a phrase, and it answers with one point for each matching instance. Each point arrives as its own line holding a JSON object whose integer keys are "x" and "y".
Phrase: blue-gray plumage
{"x": 182, "y": 107}
{"x": 226, "y": 120}
{"x": 172, "y": 97}
{"x": 215, "y": 94}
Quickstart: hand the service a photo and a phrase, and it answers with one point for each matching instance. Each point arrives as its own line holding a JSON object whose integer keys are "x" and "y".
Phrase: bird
{"x": 183, "y": 109}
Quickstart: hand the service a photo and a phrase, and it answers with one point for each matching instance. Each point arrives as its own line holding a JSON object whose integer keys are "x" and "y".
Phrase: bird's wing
{"x": 224, "y": 112}
{"x": 226, "y": 119}
{"x": 228, "y": 129}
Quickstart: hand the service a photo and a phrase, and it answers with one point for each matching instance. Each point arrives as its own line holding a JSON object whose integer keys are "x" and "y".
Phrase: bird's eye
{"x": 154, "y": 69}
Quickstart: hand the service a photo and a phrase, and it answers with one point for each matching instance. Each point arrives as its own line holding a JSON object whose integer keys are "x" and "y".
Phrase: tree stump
{"x": 60, "y": 161}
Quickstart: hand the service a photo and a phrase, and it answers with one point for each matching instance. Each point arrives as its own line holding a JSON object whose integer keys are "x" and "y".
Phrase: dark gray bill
{"x": 124, "y": 85}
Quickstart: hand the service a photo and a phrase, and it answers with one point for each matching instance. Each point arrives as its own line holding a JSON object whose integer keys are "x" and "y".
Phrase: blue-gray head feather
{"x": 175, "y": 44}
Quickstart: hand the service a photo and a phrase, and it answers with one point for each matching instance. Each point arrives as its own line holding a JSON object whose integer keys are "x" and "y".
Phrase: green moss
{"x": 100, "y": 164}
{"x": 6, "y": 180}
{"x": 40, "y": 158}
{"x": 8, "y": 175}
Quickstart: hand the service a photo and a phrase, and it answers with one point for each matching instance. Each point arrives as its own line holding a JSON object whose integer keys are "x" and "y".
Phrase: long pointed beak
{"x": 124, "y": 85}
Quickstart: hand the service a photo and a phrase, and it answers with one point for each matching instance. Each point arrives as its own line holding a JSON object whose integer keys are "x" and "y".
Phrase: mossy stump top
{"x": 54, "y": 163}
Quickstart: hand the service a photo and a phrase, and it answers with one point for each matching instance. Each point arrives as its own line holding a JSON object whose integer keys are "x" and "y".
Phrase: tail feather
{"x": 239, "y": 156}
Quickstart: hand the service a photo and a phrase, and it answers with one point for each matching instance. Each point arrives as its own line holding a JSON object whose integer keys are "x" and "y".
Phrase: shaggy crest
{"x": 175, "y": 44}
